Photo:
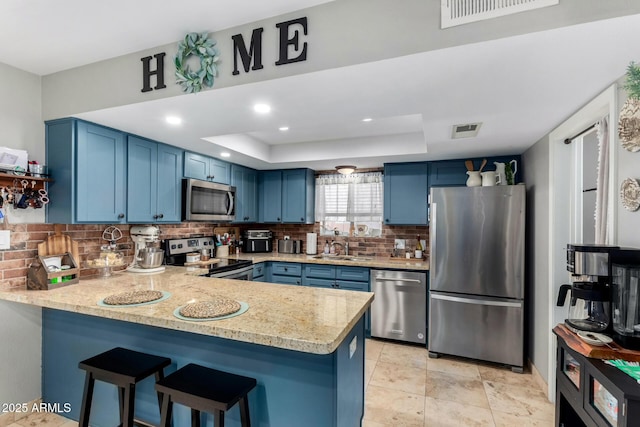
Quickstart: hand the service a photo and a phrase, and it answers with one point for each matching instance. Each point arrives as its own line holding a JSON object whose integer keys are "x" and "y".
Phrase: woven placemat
{"x": 243, "y": 309}
{"x": 216, "y": 307}
{"x": 133, "y": 297}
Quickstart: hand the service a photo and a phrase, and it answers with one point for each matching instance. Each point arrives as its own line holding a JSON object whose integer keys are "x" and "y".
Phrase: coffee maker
{"x": 590, "y": 268}
{"x": 625, "y": 291}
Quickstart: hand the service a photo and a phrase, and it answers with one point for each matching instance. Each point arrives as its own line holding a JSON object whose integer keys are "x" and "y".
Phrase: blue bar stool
{"x": 205, "y": 389}
{"x": 123, "y": 368}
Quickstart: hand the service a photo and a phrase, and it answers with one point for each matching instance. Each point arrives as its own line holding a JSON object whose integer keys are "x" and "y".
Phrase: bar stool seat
{"x": 123, "y": 368}
{"x": 205, "y": 389}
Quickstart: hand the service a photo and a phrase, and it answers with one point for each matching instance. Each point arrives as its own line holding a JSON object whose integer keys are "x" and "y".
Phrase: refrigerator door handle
{"x": 432, "y": 241}
{"x": 391, "y": 279}
{"x": 476, "y": 301}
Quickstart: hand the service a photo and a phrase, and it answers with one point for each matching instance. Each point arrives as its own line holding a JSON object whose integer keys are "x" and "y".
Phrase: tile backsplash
{"x": 15, "y": 262}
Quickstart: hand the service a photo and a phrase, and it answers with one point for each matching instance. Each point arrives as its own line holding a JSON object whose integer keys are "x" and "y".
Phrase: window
{"x": 350, "y": 205}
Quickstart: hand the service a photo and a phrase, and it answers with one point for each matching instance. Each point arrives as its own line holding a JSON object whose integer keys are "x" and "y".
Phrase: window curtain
{"x": 602, "y": 196}
{"x": 355, "y": 198}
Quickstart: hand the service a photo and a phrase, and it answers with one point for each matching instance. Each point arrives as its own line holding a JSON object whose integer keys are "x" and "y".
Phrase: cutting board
{"x": 58, "y": 244}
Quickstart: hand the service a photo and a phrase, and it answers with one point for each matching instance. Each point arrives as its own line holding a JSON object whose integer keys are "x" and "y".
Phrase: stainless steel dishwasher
{"x": 399, "y": 310}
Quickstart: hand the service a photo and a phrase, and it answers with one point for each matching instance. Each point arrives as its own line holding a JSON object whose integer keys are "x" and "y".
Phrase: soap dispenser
{"x": 326, "y": 247}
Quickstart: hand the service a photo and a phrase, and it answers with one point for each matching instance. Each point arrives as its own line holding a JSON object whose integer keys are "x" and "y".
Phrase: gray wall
{"x": 21, "y": 127}
{"x": 536, "y": 177}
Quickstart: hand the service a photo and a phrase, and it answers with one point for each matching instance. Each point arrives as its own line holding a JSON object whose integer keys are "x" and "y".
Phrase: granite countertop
{"x": 358, "y": 261}
{"x": 300, "y": 318}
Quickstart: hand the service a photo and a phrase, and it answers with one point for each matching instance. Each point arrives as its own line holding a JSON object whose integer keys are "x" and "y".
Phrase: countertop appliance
{"x": 176, "y": 251}
{"x": 290, "y": 246}
{"x": 145, "y": 259}
{"x": 476, "y": 298}
{"x": 625, "y": 301}
{"x": 207, "y": 201}
{"x": 256, "y": 241}
{"x": 590, "y": 268}
{"x": 399, "y": 310}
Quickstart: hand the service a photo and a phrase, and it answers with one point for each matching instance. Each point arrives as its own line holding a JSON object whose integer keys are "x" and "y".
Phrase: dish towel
{"x": 630, "y": 368}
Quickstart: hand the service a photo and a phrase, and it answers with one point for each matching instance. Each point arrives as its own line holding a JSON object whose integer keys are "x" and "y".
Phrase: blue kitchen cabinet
{"x": 449, "y": 173}
{"x": 287, "y": 196}
{"x": 154, "y": 175}
{"x": 259, "y": 272}
{"x": 406, "y": 187}
{"x": 270, "y": 196}
{"x": 87, "y": 163}
{"x": 286, "y": 273}
{"x": 206, "y": 168}
{"x": 246, "y": 182}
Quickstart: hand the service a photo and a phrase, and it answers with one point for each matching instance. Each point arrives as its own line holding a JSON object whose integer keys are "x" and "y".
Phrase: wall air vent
{"x": 465, "y": 131}
{"x": 458, "y": 12}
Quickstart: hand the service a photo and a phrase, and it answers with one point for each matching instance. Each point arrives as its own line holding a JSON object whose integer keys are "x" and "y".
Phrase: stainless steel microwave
{"x": 207, "y": 201}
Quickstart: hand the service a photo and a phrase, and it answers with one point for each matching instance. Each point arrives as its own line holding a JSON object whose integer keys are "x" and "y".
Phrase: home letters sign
{"x": 291, "y": 49}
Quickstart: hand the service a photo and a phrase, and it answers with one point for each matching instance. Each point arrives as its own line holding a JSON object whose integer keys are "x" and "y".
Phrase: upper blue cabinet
{"x": 287, "y": 196}
{"x": 153, "y": 181}
{"x": 406, "y": 187}
{"x": 448, "y": 173}
{"x": 88, "y": 165}
{"x": 246, "y": 182}
{"x": 206, "y": 168}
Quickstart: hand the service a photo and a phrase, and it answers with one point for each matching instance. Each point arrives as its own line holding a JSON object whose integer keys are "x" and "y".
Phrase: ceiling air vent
{"x": 465, "y": 131}
{"x": 458, "y": 12}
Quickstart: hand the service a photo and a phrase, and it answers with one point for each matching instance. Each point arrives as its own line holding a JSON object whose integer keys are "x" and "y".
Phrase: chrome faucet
{"x": 345, "y": 246}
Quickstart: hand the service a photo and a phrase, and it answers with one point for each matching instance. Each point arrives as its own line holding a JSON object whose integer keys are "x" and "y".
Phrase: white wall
{"x": 21, "y": 127}
{"x": 536, "y": 177}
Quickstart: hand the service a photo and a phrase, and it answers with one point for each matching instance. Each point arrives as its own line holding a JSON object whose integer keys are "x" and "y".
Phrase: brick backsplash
{"x": 15, "y": 262}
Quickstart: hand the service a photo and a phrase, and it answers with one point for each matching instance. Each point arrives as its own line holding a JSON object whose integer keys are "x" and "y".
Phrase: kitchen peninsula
{"x": 305, "y": 346}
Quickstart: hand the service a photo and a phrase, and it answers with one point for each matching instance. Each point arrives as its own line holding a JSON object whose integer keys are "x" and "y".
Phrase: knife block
{"x": 40, "y": 279}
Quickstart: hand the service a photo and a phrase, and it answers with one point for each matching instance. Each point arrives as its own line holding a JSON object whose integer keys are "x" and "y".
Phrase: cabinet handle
{"x": 155, "y": 217}
{"x": 278, "y": 218}
{"x": 121, "y": 216}
{"x": 161, "y": 216}
{"x": 387, "y": 220}
{"x": 302, "y": 219}
{"x": 286, "y": 269}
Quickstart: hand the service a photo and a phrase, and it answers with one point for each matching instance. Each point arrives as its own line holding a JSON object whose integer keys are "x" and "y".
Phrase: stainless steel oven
{"x": 237, "y": 273}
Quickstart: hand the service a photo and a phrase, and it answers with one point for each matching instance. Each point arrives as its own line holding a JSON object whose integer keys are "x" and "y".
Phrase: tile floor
{"x": 404, "y": 388}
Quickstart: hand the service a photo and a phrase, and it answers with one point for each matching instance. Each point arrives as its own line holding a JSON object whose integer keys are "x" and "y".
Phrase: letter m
{"x": 254, "y": 52}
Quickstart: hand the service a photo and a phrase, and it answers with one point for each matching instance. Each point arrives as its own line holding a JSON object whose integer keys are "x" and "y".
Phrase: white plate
{"x": 630, "y": 194}
{"x": 600, "y": 339}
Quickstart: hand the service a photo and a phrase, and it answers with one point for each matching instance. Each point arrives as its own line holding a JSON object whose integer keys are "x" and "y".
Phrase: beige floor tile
{"x": 398, "y": 377}
{"x": 502, "y": 419}
{"x": 456, "y": 388}
{"x": 393, "y": 408}
{"x": 444, "y": 413}
{"x": 369, "y": 423}
{"x": 42, "y": 419}
{"x": 515, "y": 400}
{"x": 369, "y": 367}
{"x": 454, "y": 366}
{"x": 405, "y": 355}
{"x": 372, "y": 349}
{"x": 506, "y": 376}
{"x": 70, "y": 423}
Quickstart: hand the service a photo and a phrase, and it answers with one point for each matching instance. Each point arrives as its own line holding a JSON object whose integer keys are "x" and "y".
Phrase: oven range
{"x": 176, "y": 251}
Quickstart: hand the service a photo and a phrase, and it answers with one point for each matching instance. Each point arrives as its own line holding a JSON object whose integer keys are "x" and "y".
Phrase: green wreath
{"x": 203, "y": 47}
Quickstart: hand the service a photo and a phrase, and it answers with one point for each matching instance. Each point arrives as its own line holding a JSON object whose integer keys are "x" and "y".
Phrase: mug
{"x": 490, "y": 178}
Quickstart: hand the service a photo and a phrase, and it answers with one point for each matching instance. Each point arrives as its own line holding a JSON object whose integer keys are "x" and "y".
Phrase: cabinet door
{"x": 142, "y": 180}
{"x": 298, "y": 196}
{"x": 449, "y": 173}
{"x": 220, "y": 171}
{"x": 196, "y": 166}
{"x": 270, "y": 189}
{"x": 246, "y": 182}
{"x": 405, "y": 193}
{"x": 285, "y": 280}
{"x": 101, "y": 174}
{"x": 169, "y": 200}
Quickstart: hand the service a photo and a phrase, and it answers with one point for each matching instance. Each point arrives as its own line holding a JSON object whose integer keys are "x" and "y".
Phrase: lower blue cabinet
{"x": 259, "y": 271}
{"x": 286, "y": 273}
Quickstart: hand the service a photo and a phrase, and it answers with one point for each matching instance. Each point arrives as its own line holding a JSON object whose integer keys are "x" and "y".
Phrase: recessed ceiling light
{"x": 367, "y": 119}
{"x": 262, "y": 108}
{"x": 225, "y": 154}
{"x": 173, "y": 120}
{"x": 283, "y": 128}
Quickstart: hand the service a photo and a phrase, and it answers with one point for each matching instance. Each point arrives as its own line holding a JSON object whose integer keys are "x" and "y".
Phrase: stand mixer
{"x": 143, "y": 236}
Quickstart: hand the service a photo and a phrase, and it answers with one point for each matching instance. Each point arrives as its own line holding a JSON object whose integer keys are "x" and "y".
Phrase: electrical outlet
{"x": 5, "y": 239}
{"x": 399, "y": 244}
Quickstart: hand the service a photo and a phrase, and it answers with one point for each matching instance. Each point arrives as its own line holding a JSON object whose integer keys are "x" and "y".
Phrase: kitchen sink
{"x": 342, "y": 257}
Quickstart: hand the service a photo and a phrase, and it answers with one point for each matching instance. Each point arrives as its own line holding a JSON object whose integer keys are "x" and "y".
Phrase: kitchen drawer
{"x": 320, "y": 271}
{"x": 351, "y": 285}
{"x": 285, "y": 280}
{"x": 286, "y": 269}
{"x": 319, "y": 283}
{"x": 258, "y": 270}
{"x": 355, "y": 274}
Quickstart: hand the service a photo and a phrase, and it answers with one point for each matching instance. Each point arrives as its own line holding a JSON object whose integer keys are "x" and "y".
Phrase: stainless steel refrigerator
{"x": 476, "y": 297}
